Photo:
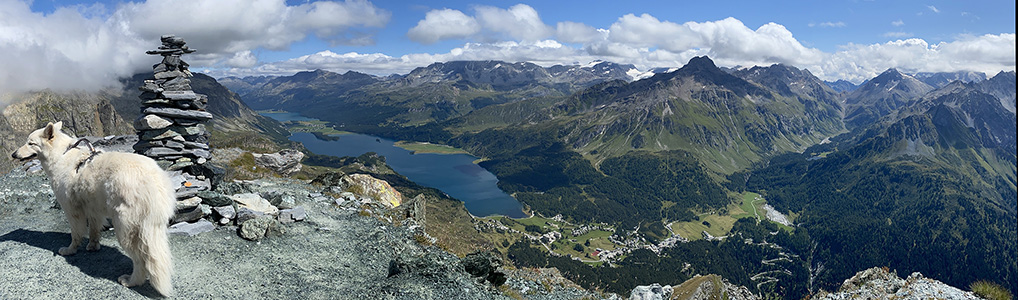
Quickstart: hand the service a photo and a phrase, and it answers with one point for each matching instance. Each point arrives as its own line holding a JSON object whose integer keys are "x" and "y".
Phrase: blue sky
{"x": 60, "y": 41}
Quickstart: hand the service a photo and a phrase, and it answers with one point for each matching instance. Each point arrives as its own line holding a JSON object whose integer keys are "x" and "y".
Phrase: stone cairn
{"x": 170, "y": 128}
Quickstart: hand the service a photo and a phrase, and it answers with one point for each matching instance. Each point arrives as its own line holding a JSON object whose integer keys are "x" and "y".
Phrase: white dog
{"x": 129, "y": 188}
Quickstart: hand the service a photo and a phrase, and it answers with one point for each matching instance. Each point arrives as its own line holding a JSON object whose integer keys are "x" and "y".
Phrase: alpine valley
{"x": 775, "y": 180}
{"x": 696, "y": 182}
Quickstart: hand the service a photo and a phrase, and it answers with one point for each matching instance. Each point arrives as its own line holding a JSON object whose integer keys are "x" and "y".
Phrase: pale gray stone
{"x": 292, "y": 215}
{"x": 226, "y": 211}
{"x": 148, "y": 122}
{"x": 254, "y": 202}
{"x": 191, "y": 229}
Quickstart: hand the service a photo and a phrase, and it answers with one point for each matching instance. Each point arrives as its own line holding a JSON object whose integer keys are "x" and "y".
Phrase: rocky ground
{"x": 878, "y": 283}
{"x": 337, "y": 252}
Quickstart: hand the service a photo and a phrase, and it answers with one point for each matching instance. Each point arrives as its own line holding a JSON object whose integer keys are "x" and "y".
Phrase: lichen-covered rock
{"x": 374, "y": 188}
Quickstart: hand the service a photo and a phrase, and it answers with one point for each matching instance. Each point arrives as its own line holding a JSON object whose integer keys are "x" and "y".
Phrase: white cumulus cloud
{"x": 519, "y": 21}
{"x": 572, "y": 32}
{"x": 441, "y": 24}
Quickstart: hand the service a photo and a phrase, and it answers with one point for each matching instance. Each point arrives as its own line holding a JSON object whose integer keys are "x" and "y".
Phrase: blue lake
{"x": 455, "y": 174}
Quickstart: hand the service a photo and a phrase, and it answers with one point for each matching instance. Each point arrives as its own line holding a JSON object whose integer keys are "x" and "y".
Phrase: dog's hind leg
{"x": 95, "y": 225}
{"x": 78, "y": 227}
{"x": 130, "y": 241}
{"x": 138, "y": 276}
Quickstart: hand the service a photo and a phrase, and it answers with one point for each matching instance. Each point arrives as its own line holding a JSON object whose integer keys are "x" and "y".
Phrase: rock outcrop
{"x": 710, "y": 287}
{"x": 879, "y": 283}
{"x": 285, "y": 162}
{"x": 651, "y": 292}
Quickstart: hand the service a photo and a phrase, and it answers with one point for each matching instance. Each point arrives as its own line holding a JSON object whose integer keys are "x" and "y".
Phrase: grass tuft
{"x": 990, "y": 290}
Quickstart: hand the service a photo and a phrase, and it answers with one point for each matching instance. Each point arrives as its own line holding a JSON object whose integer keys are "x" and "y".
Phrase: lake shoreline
{"x": 448, "y": 169}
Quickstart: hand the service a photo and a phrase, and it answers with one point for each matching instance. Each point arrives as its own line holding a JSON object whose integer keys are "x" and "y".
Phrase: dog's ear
{"x": 51, "y": 130}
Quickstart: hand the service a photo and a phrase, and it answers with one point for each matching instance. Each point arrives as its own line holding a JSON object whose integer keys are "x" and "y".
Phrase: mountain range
{"x": 865, "y": 167}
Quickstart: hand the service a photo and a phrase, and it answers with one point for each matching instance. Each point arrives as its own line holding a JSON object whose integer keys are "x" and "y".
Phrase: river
{"x": 454, "y": 174}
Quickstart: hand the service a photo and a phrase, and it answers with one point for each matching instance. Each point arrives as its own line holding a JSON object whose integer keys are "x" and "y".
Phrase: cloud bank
{"x": 648, "y": 42}
{"x": 88, "y": 47}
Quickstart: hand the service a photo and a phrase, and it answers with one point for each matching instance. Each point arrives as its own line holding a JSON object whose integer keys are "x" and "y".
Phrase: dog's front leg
{"x": 78, "y": 227}
{"x": 95, "y": 225}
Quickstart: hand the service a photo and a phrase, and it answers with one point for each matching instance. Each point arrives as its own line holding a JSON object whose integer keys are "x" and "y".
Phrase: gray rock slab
{"x": 178, "y": 113}
{"x": 191, "y": 229}
{"x": 180, "y": 95}
{"x": 215, "y": 199}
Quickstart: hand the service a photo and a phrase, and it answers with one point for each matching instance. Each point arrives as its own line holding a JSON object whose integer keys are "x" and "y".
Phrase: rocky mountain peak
{"x": 893, "y": 79}
{"x": 1001, "y": 86}
{"x": 880, "y": 283}
{"x": 700, "y": 64}
{"x": 308, "y": 75}
{"x": 881, "y": 96}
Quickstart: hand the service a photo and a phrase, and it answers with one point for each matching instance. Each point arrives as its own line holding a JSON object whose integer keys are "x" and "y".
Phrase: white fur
{"x": 129, "y": 188}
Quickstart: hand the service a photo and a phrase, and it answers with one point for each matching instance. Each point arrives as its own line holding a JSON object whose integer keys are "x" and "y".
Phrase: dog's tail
{"x": 158, "y": 262}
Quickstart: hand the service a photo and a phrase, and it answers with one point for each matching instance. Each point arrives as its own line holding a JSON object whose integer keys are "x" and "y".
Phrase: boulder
{"x": 245, "y": 214}
{"x": 374, "y": 188}
{"x": 284, "y": 162}
{"x": 258, "y": 228}
{"x": 254, "y": 202}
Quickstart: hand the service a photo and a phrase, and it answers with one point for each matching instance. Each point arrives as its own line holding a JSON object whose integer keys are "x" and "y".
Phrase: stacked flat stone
{"x": 170, "y": 128}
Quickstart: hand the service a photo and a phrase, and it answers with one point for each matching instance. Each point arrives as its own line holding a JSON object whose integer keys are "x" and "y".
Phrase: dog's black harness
{"x": 90, "y": 149}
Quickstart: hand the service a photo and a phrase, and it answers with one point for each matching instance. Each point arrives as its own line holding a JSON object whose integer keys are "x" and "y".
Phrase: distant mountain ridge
{"x": 1001, "y": 86}
{"x": 435, "y": 93}
{"x": 739, "y": 117}
{"x": 842, "y": 85}
{"x": 881, "y": 96}
{"x": 941, "y": 79}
